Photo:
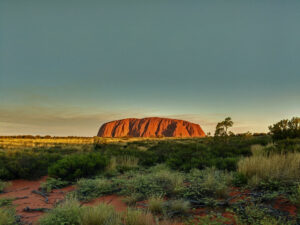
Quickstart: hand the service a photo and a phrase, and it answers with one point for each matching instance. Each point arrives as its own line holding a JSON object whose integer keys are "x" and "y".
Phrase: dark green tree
{"x": 222, "y": 127}
{"x": 286, "y": 129}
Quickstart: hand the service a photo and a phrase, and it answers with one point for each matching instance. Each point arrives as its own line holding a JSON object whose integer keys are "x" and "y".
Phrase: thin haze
{"x": 68, "y": 66}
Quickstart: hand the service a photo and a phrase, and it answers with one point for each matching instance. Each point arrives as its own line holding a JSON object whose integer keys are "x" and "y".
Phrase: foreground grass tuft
{"x": 102, "y": 214}
{"x": 138, "y": 217}
{"x": 156, "y": 205}
{"x": 67, "y": 213}
{"x": 7, "y": 216}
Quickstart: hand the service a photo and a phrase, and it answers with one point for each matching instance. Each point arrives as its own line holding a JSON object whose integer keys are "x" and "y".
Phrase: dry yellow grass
{"x": 138, "y": 217}
{"x": 276, "y": 166}
{"x": 156, "y": 204}
{"x": 18, "y": 142}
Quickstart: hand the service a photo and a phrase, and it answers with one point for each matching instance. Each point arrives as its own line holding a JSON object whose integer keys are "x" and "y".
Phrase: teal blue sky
{"x": 68, "y": 66}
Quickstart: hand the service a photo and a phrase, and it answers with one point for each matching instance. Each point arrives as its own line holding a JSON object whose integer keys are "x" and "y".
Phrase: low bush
{"x": 258, "y": 214}
{"x": 207, "y": 183}
{"x": 295, "y": 196}
{"x": 284, "y": 146}
{"x": 25, "y": 164}
{"x": 76, "y": 166}
{"x": 92, "y": 188}
{"x": 280, "y": 167}
{"x": 52, "y": 183}
{"x": 187, "y": 154}
{"x": 239, "y": 179}
{"x": 7, "y": 216}
{"x": 156, "y": 183}
{"x": 6, "y": 202}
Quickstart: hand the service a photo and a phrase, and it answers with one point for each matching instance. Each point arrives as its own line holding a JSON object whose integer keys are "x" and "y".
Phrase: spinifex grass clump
{"x": 138, "y": 217}
{"x": 156, "y": 205}
{"x": 102, "y": 214}
{"x": 7, "y": 216}
{"x": 279, "y": 167}
{"x": 71, "y": 213}
{"x": 66, "y": 213}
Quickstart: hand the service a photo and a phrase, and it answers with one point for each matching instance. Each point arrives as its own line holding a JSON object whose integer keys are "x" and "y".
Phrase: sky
{"x": 66, "y": 67}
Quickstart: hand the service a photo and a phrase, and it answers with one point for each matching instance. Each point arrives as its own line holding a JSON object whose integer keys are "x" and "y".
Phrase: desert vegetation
{"x": 225, "y": 179}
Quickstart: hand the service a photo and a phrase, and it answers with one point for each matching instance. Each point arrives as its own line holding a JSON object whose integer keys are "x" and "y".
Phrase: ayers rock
{"x": 150, "y": 127}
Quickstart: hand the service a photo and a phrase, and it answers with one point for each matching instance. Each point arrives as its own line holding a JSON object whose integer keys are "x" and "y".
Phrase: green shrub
{"x": 210, "y": 219}
{"x": 295, "y": 196}
{"x": 7, "y": 216}
{"x": 92, "y": 188}
{"x": 67, "y": 213}
{"x": 256, "y": 214}
{"x": 157, "y": 183}
{"x": 219, "y": 155}
{"x": 102, "y": 214}
{"x": 3, "y": 185}
{"x": 52, "y": 183}
{"x": 25, "y": 165}
{"x": 77, "y": 166}
{"x": 239, "y": 180}
{"x": 207, "y": 183}
{"x": 6, "y": 202}
{"x": 284, "y": 146}
{"x": 187, "y": 154}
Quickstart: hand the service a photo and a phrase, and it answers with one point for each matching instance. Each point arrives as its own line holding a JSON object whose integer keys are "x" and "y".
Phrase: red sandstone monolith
{"x": 150, "y": 127}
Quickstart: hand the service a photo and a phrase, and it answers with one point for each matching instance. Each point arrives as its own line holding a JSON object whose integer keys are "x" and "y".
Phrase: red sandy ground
{"x": 24, "y": 188}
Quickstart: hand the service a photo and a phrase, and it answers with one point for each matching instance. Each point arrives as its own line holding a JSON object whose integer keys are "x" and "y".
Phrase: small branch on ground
{"x": 28, "y": 209}
{"x": 42, "y": 194}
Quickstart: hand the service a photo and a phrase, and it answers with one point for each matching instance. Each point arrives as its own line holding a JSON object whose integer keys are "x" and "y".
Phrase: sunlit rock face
{"x": 150, "y": 127}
